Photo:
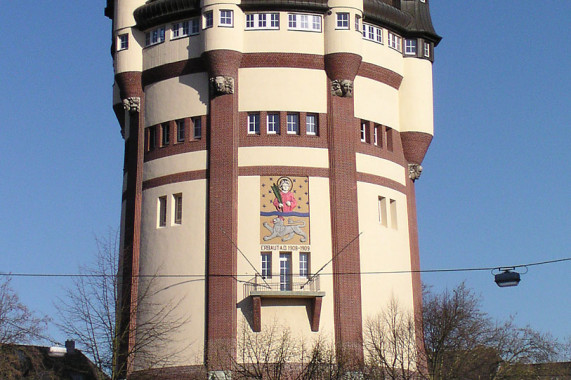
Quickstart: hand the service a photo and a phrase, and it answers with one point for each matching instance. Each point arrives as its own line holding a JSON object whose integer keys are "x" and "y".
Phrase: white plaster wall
{"x": 383, "y": 249}
{"x": 177, "y": 250}
{"x": 176, "y": 98}
{"x": 178, "y": 163}
{"x": 376, "y": 102}
{"x": 343, "y": 40}
{"x": 283, "y": 156}
{"x": 382, "y": 55}
{"x": 172, "y": 50}
{"x": 283, "y": 40}
{"x": 222, "y": 37}
{"x": 416, "y": 102}
{"x": 380, "y": 167}
{"x": 282, "y": 89}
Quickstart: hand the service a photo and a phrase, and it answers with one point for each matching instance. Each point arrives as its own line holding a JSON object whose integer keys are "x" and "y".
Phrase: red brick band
{"x": 381, "y": 181}
{"x": 175, "y": 178}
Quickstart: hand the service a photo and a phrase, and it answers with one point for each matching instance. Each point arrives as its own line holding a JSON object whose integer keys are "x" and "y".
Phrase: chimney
{"x": 70, "y": 346}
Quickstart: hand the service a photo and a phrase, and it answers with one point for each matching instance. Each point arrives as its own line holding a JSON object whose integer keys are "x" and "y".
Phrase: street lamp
{"x": 507, "y": 277}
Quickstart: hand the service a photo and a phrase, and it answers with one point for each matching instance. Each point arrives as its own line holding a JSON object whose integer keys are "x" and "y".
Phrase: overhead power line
{"x": 202, "y": 276}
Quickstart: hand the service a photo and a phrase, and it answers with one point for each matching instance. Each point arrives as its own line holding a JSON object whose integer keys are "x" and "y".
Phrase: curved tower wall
{"x": 370, "y": 102}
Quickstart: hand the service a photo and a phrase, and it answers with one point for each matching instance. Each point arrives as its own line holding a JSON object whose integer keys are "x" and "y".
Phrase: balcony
{"x": 303, "y": 291}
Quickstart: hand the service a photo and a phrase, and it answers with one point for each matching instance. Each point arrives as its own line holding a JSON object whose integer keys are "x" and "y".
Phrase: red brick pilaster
{"x": 222, "y": 213}
{"x": 130, "y": 87}
{"x": 343, "y": 129}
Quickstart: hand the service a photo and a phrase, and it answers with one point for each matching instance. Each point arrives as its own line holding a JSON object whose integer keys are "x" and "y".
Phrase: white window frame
{"x": 293, "y": 124}
{"x": 196, "y": 128}
{"x": 207, "y": 20}
{"x": 312, "y": 22}
{"x": 285, "y": 271}
{"x": 304, "y": 264}
{"x": 177, "y": 211}
{"x": 226, "y": 18}
{"x": 266, "y": 264}
{"x": 273, "y": 123}
{"x": 363, "y": 131}
{"x": 123, "y": 41}
{"x": 410, "y": 46}
{"x": 357, "y": 23}
{"x": 155, "y": 36}
{"x": 185, "y": 28}
{"x": 262, "y": 21}
{"x": 180, "y": 131}
{"x": 311, "y": 124}
{"x": 426, "y": 49}
{"x": 372, "y": 33}
{"x": 253, "y": 123}
{"x": 342, "y": 20}
{"x": 395, "y": 41}
{"x": 375, "y": 135}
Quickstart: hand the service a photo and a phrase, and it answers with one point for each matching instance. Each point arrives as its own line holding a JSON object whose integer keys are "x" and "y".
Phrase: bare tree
{"x": 17, "y": 323}
{"x": 390, "y": 342}
{"x": 462, "y": 342}
{"x": 89, "y": 315}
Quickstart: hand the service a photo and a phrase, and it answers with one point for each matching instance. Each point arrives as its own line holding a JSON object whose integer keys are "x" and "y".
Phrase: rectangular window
{"x": 162, "y": 211}
{"x": 410, "y": 47}
{"x": 273, "y": 123}
{"x": 152, "y": 138}
{"x": 226, "y": 17}
{"x": 357, "y": 22}
{"x": 274, "y": 20}
{"x": 293, "y": 123}
{"x": 197, "y": 127}
{"x": 393, "y": 209}
{"x": 254, "y": 123}
{"x": 304, "y": 264}
{"x": 395, "y": 41}
{"x": 185, "y": 28}
{"x": 342, "y": 20}
{"x": 177, "y": 198}
{"x": 207, "y": 20}
{"x": 285, "y": 271}
{"x": 297, "y": 21}
{"x": 364, "y": 132}
{"x": 123, "y": 42}
{"x": 372, "y": 33}
{"x": 267, "y": 265}
{"x": 375, "y": 135}
{"x": 155, "y": 36}
{"x": 427, "y": 50}
{"x": 382, "y": 208}
{"x": 165, "y": 133}
{"x": 180, "y": 131}
{"x": 311, "y": 124}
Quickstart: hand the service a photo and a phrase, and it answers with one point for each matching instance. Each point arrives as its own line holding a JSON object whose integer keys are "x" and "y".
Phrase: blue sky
{"x": 495, "y": 186}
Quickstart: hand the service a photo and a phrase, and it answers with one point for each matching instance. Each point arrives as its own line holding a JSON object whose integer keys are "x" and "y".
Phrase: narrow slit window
{"x": 165, "y": 132}
{"x": 382, "y": 207}
{"x": 304, "y": 264}
{"x": 267, "y": 265}
{"x": 162, "y": 211}
{"x": 197, "y": 126}
{"x": 180, "y": 131}
{"x": 177, "y": 208}
{"x": 393, "y": 207}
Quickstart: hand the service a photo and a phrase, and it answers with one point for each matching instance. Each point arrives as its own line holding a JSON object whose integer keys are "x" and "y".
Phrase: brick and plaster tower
{"x": 264, "y": 140}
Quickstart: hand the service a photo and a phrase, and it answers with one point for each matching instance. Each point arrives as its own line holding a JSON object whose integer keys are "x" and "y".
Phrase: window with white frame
{"x": 304, "y": 264}
{"x": 226, "y": 17}
{"x": 122, "y": 42}
{"x": 207, "y": 20}
{"x": 165, "y": 133}
{"x": 426, "y": 49}
{"x": 254, "y": 123}
{"x": 162, "y": 211}
{"x": 375, "y": 135}
{"x": 311, "y": 124}
{"x": 262, "y": 21}
{"x": 394, "y": 41}
{"x": 357, "y": 23}
{"x": 363, "y": 131}
{"x": 197, "y": 127}
{"x": 293, "y": 123}
{"x": 177, "y": 198}
{"x": 267, "y": 265}
{"x": 273, "y": 123}
{"x": 155, "y": 36}
{"x": 410, "y": 46}
{"x": 342, "y": 20}
{"x": 307, "y": 22}
{"x": 180, "y": 131}
{"x": 372, "y": 33}
{"x": 185, "y": 28}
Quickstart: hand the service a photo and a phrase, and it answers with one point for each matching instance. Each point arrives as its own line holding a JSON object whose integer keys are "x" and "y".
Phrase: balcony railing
{"x": 277, "y": 283}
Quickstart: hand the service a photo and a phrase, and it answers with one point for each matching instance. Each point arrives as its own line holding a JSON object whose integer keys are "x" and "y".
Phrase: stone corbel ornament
{"x": 414, "y": 171}
{"x": 222, "y": 85}
{"x": 132, "y": 104}
{"x": 342, "y": 88}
